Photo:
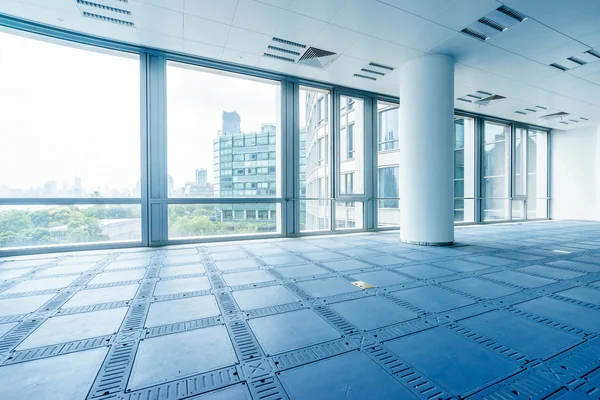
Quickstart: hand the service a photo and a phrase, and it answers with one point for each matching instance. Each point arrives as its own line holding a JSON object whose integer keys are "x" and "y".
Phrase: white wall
{"x": 575, "y": 174}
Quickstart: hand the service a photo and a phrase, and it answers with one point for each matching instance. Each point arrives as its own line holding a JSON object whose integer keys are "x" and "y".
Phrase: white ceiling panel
{"x": 287, "y": 67}
{"x": 323, "y": 10}
{"x": 258, "y": 17}
{"x": 377, "y": 19}
{"x": 202, "y": 49}
{"x": 585, "y": 24}
{"x": 13, "y": 7}
{"x": 529, "y": 38}
{"x": 247, "y": 41}
{"x": 277, "y": 3}
{"x": 423, "y": 8}
{"x": 426, "y": 36}
{"x": 560, "y": 53}
{"x": 175, "y": 5}
{"x": 555, "y": 13}
{"x": 299, "y": 28}
{"x": 157, "y": 19}
{"x": 162, "y": 41}
{"x": 461, "y": 13}
{"x": 591, "y": 39}
{"x": 63, "y": 6}
{"x": 240, "y": 57}
{"x": 467, "y": 50}
{"x": 336, "y": 39}
{"x": 205, "y": 31}
{"x": 565, "y": 84}
{"x": 220, "y": 11}
{"x": 586, "y": 70}
{"x": 381, "y": 51}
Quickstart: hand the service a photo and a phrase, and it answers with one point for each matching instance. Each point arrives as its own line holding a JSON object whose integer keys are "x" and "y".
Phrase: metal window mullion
{"x": 509, "y": 184}
{"x": 291, "y": 162}
{"x": 157, "y": 150}
{"x": 334, "y": 151}
{"x": 144, "y": 149}
{"x": 478, "y": 143}
{"x": 370, "y": 168}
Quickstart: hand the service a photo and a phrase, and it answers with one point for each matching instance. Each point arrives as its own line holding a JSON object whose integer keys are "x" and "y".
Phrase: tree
{"x": 40, "y": 218}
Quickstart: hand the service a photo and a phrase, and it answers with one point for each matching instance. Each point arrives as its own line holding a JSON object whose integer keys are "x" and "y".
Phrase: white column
{"x": 427, "y": 151}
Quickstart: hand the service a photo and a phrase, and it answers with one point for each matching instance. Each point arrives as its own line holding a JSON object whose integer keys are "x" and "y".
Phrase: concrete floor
{"x": 510, "y": 311}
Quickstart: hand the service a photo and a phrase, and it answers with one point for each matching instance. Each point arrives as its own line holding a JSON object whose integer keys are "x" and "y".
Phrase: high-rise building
{"x": 231, "y": 123}
{"x": 201, "y": 176}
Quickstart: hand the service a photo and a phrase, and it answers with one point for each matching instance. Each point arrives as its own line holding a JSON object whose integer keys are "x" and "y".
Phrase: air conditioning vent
{"x": 541, "y": 108}
{"x": 558, "y": 66}
{"x": 484, "y": 93}
{"x": 576, "y": 61}
{"x": 103, "y": 7}
{"x": 465, "y": 100}
{"x": 372, "y": 72}
{"x": 559, "y": 114}
{"x": 487, "y": 100}
{"x": 574, "y": 120}
{"x": 475, "y": 34}
{"x": 475, "y": 97}
{"x": 278, "y": 57}
{"x": 492, "y": 24}
{"x": 288, "y": 42}
{"x": 584, "y": 119}
{"x": 365, "y": 77}
{"x": 530, "y": 110}
{"x": 520, "y": 112}
{"x": 512, "y": 13}
{"x": 281, "y": 49}
{"x": 594, "y": 53}
{"x": 376, "y": 65}
{"x": 563, "y": 122}
{"x": 317, "y": 57}
{"x": 107, "y": 19}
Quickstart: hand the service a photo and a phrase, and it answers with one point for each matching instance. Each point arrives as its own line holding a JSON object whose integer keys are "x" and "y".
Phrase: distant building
{"x": 201, "y": 176}
{"x": 231, "y": 123}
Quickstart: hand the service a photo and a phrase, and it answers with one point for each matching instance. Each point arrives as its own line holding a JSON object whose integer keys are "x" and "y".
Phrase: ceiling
{"x": 514, "y": 63}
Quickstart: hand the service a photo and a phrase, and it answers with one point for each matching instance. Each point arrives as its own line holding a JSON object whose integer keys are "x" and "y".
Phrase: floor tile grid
{"x": 538, "y": 261}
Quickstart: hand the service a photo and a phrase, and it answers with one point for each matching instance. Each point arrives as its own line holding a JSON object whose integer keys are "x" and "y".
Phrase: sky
{"x": 69, "y": 113}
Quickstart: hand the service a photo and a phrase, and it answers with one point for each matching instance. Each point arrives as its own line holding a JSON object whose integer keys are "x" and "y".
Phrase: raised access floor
{"x": 510, "y": 312}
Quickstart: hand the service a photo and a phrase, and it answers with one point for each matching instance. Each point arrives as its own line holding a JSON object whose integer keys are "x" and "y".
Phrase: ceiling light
{"x": 475, "y": 34}
{"x": 365, "y": 77}
{"x": 576, "y": 61}
{"x": 492, "y": 24}
{"x": 512, "y": 13}
{"x": 558, "y": 66}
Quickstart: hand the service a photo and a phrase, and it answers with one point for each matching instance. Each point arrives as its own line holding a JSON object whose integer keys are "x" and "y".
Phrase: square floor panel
{"x": 358, "y": 252}
{"x": 166, "y": 358}
{"x": 425, "y": 271}
{"x": 588, "y": 259}
{"x": 520, "y": 279}
{"x": 433, "y": 299}
{"x": 6, "y": 274}
{"x": 66, "y": 269}
{"x": 121, "y": 276}
{"x": 102, "y": 295}
{"x": 480, "y": 288}
{"x": 372, "y": 312}
{"x": 578, "y": 266}
{"x": 41, "y": 284}
{"x": 324, "y": 256}
{"x": 252, "y": 299}
{"x": 180, "y": 310}
{"x": 4, "y": 328}
{"x": 245, "y": 278}
{"x": 301, "y": 271}
{"x": 460, "y": 265}
{"x": 183, "y": 259}
{"x": 183, "y": 270}
{"x": 225, "y": 254}
{"x": 351, "y": 376}
{"x": 381, "y": 278}
{"x": 185, "y": 285}
{"x": 79, "y": 259}
{"x": 68, "y": 328}
{"x": 126, "y": 264}
{"x": 242, "y": 263}
{"x": 327, "y": 287}
{"x": 283, "y": 260}
{"x": 23, "y": 305}
{"x": 461, "y": 366}
{"x": 584, "y": 294}
{"x": 386, "y": 260}
{"x": 347, "y": 265}
{"x": 560, "y": 311}
{"x": 422, "y": 256}
{"x": 550, "y": 272}
{"x": 530, "y": 338}
{"x": 65, "y": 377}
{"x": 491, "y": 260}
{"x": 292, "y": 330}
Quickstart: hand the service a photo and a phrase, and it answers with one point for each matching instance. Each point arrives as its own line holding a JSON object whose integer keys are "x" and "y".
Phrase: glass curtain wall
{"x": 519, "y": 173}
{"x": 388, "y": 169}
{"x": 70, "y": 170}
{"x": 495, "y": 171}
{"x": 537, "y": 174}
{"x": 222, "y": 145}
{"x": 315, "y": 159}
{"x": 464, "y": 169}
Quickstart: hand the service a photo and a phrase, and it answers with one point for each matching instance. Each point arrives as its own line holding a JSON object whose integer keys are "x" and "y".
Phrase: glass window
{"x": 70, "y": 125}
{"x": 388, "y": 156}
{"x": 202, "y": 116}
{"x": 495, "y": 171}
{"x": 464, "y": 169}
{"x": 387, "y": 126}
{"x": 348, "y": 215}
{"x": 352, "y": 144}
{"x": 388, "y": 187}
{"x": 537, "y": 174}
{"x": 314, "y": 159}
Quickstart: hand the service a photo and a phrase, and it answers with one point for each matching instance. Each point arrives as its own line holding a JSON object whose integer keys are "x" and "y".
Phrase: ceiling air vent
{"x": 512, "y": 13}
{"x": 584, "y": 119}
{"x": 288, "y": 43}
{"x": 530, "y": 110}
{"x": 107, "y": 19}
{"x": 365, "y": 77}
{"x": 282, "y": 50}
{"x": 563, "y": 122}
{"x": 559, "y": 114}
{"x": 465, "y": 100}
{"x": 487, "y": 100}
{"x": 594, "y": 53}
{"x": 541, "y": 108}
{"x": 485, "y": 93}
{"x": 381, "y": 66}
{"x": 520, "y": 112}
{"x": 115, "y": 11}
{"x": 576, "y": 61}
{"x": 474, "y": 96}
{"x": 278, "y": 57}
{"x": 319, "y": 58}
{"x": 558, "y": 66}
{"x": 475, "y": 34}
{"x": 103, "y": 7}
{"x": 492, "y": 24}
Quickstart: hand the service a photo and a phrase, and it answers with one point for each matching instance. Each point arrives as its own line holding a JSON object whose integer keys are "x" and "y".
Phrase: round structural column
{"x": 427, "y": 151}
